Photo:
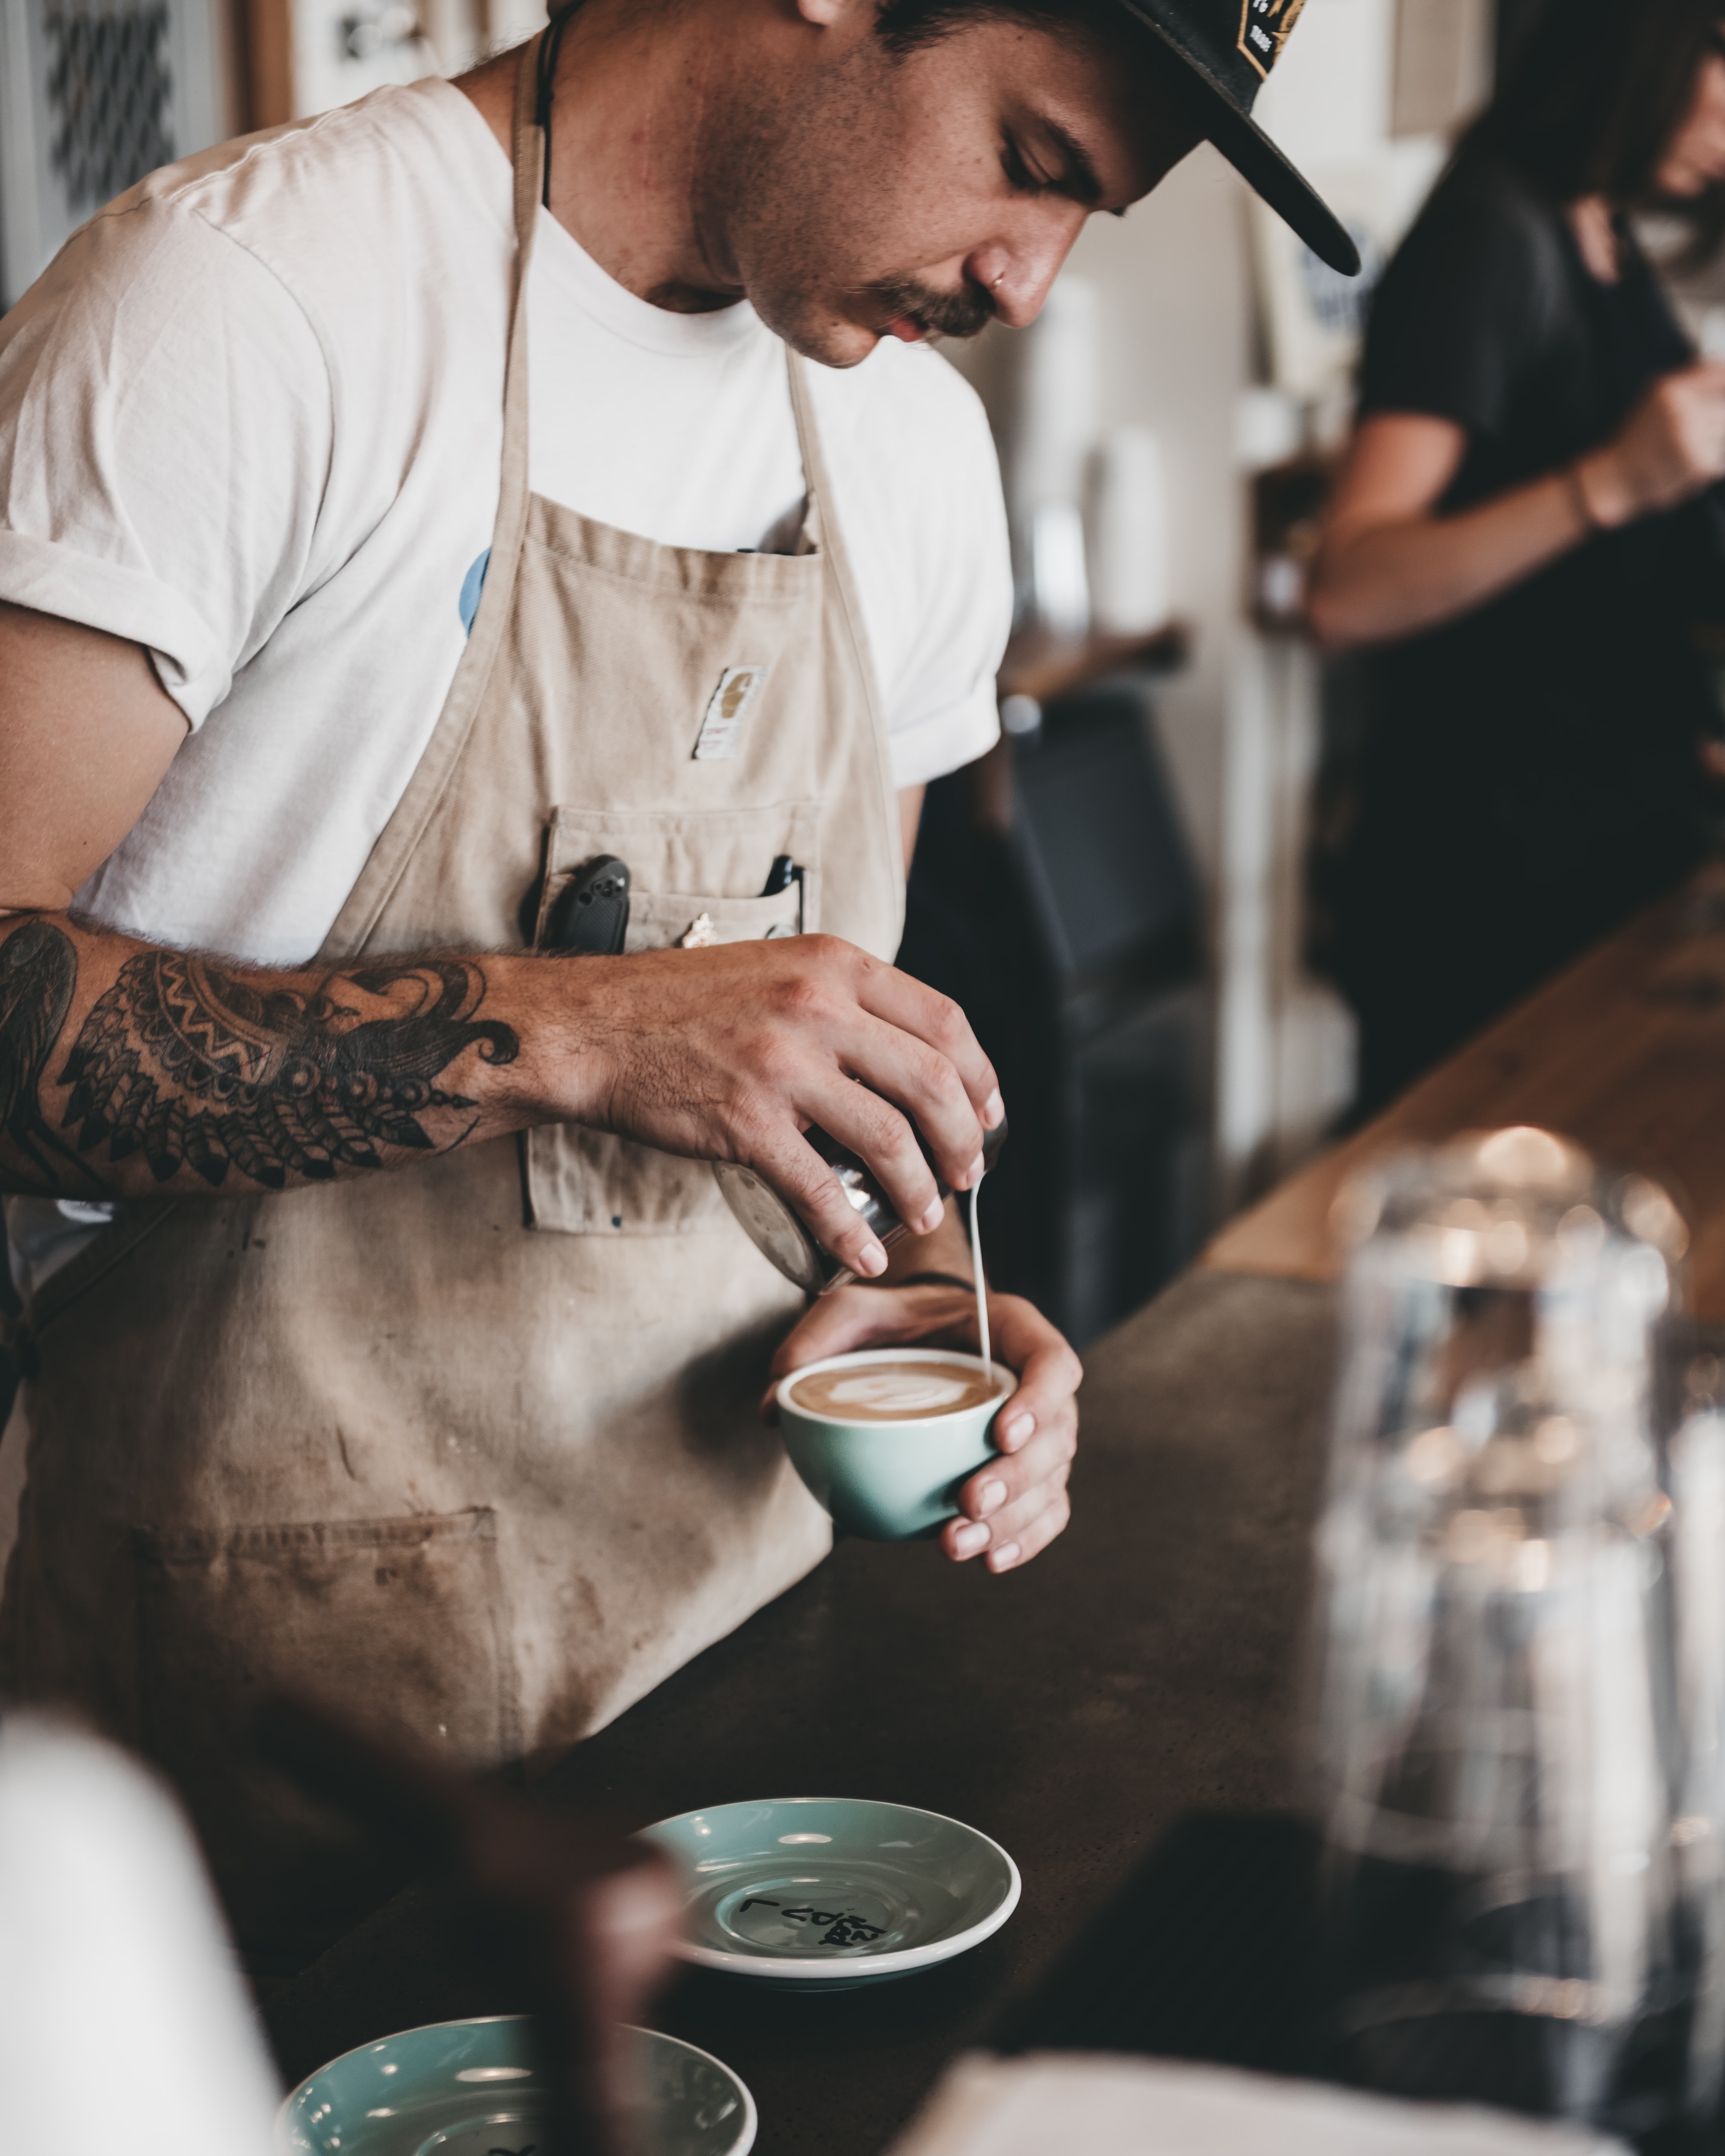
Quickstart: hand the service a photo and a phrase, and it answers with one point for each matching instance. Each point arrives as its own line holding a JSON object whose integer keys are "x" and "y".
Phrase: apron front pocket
{"x": 399, "y": 1623}
{"x": 706, "y": 858}
{"x": 695, "y": 878}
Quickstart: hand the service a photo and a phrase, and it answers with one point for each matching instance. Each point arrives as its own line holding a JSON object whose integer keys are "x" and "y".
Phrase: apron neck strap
{"x": 528, "y": 150}
{"x": 809, "y": 448}
{"x": 529, "y": 140}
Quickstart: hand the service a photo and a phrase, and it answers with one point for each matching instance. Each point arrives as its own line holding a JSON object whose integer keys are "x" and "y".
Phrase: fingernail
{"x": 973, "y": 1174}
{"x": 1018, "y": 1430}
{"x": 871, "y": 1260}
{"x": 969, "y": 1540}
{"x": 932, "y": 1218}
{"x": 1005, "y": 1555}
{"x": 989, "y": 1499}
{"x": 993, "y": 1109}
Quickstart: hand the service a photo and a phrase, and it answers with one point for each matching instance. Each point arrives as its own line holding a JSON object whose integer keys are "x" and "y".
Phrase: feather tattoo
{"x": 202, "y": 1068}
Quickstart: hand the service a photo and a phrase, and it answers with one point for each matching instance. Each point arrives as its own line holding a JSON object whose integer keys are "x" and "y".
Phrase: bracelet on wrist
{"x": 933, "y": 1280}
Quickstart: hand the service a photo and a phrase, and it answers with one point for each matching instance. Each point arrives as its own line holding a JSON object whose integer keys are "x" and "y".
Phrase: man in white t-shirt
{"x": 402, "y": 515}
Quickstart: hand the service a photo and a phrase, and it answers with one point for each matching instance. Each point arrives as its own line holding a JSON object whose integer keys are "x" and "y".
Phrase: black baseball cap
{"x": 1228, "y": 48}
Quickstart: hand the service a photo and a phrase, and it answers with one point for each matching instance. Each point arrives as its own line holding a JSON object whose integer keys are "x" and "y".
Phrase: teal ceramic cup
{"x": 474, "y": 2088}
{"x": 890, "y": 1481}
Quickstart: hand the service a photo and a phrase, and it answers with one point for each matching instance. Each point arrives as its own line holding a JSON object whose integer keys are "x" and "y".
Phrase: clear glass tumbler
{"x": 1498, "y": 1757}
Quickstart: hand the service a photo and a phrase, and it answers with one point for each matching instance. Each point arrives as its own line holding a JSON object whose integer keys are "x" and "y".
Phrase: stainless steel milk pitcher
{"x": 778, "y": 1230}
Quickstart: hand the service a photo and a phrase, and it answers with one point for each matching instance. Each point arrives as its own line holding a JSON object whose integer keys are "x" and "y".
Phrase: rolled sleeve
{"x": 166, "y": 423}
{"x": 931, "y": 747}
{"x": 56, "y": 579}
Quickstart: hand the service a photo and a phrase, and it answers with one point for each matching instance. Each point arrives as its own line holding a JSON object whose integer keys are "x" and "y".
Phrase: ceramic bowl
{"x": 889, "y": 1481}
{"x": 828, "y": 1892}
{"x": 468, "y": 2089}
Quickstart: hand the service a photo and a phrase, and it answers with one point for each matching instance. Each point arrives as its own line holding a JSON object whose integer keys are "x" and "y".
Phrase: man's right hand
{"x": 731, "y": 1052}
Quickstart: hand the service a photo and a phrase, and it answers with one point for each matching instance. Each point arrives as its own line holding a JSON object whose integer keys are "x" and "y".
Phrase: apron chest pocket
{"x": 695, "y": 879}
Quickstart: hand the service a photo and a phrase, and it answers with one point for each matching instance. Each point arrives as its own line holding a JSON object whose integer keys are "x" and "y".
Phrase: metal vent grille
{"x": 109, "y": 96}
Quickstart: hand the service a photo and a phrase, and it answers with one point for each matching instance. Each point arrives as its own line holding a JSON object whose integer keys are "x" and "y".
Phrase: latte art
{"x": 894, "y": 1392}
{"x": 902, "y": 1392}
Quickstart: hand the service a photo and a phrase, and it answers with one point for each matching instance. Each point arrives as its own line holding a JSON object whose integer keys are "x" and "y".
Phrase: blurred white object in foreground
{"x": 124, "y": 2023}
{"x": 1046, "y": 2105}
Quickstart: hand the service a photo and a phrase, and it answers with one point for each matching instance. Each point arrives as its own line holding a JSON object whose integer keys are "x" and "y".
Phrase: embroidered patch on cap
{"x": 1264, "y": 28}
{"x": 727, "y": 707}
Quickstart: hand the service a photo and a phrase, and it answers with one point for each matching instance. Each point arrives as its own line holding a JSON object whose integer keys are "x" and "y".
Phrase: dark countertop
{"x": 1621, "y": 1052}
{"x": 1143, "y": 1667}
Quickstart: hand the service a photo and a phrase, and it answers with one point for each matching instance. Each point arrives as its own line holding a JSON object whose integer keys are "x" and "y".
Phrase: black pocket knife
{"x": 591, "y": 913}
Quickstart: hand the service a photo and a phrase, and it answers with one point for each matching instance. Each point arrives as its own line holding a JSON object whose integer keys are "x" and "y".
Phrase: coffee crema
{"x": 894, "y": 1392}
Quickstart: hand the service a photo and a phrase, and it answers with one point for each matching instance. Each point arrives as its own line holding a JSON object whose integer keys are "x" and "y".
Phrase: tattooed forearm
{"x": 197, "y": 1067}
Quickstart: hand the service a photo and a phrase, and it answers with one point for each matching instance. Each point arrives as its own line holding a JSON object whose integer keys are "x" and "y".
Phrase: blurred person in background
{"x": 1521, "y": 536}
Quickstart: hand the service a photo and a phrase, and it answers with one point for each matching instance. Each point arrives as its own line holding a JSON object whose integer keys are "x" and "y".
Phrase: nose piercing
{"x": 996, "y": 284}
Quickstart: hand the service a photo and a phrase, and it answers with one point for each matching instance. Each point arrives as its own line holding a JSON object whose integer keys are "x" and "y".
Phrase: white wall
{"x": 1173, "y": 283}
{"x": 1180, "y": 346}
{"x": 1175, "y": 332}
{"x": 1286, "y": 1042}
{"x": 1329, "y": 99}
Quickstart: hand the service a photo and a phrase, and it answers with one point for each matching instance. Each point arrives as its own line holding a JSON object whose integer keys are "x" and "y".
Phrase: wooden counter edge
{"x": 1617, "y": 1052}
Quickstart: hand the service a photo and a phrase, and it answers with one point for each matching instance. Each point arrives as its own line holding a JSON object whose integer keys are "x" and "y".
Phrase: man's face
{"x": 855, "y": 194}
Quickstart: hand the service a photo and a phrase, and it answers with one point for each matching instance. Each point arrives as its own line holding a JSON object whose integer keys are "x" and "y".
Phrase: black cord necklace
{"x": 550, "y": 45}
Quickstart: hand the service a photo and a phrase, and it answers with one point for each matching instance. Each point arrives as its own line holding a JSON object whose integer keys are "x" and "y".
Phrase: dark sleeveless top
{"x": 1529, "y": 773}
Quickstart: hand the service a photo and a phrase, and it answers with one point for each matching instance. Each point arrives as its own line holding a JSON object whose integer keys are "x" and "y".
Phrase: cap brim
{"x": 1252, "y": 154}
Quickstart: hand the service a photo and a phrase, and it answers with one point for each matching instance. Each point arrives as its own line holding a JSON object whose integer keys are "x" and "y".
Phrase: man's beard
{"x": 963, "y": 313}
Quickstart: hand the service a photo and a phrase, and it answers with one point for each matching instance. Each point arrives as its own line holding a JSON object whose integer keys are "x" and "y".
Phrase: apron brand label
{"x": 1264, "y": 28}
{"x": 727, "y": 707}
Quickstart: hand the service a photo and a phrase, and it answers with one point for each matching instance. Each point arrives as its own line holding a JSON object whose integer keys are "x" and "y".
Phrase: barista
{"x": 389, "y": 1338}
{"x": 1516, "y": 539}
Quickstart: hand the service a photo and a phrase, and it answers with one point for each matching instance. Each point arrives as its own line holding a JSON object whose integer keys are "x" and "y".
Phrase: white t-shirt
{"x": 251, "y": 417}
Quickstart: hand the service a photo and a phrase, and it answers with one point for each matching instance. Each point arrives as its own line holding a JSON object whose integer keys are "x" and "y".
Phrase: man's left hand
{"x": 1017, "y": 1504}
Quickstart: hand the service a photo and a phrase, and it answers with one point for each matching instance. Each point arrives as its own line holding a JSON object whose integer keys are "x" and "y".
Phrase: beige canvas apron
{"x": 472, "y": 1448}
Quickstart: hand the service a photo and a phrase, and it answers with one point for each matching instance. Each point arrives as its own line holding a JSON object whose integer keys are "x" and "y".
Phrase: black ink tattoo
{"x": 199, "y": 1067}
{"x": 39, "y": 971}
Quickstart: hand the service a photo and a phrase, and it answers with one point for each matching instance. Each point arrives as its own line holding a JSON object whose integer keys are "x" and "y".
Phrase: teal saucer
{"x": 468, "y": 2089}
{"x": 826, "y": 1893}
